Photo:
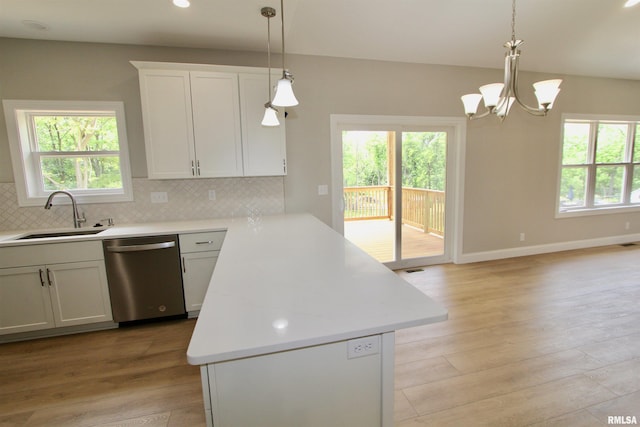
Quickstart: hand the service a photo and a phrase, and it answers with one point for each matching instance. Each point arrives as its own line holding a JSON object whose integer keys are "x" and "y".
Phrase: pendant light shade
{"x": 270, "y": 116}
{"x": 284, "y": 96}
{"x": 284, "y": 93}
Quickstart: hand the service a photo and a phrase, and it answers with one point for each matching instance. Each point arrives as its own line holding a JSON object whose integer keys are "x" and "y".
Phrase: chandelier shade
{"x": 500, "y": 97}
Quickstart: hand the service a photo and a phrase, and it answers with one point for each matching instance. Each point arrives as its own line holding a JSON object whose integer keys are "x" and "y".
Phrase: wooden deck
{"x": 376, "y": 237}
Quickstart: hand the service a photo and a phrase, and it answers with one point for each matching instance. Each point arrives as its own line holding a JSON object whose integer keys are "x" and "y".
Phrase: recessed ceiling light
{"x": 181, "y": 3}
{"x": 35, "y": 25}
{"x": 630, "y": 3}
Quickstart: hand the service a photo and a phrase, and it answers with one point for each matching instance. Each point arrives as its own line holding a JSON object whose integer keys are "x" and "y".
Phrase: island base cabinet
{"x": 313, "y": 386}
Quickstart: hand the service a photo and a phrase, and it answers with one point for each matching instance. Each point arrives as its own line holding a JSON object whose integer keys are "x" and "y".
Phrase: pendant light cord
{"x": 282, "y": 20}
{"x": 269, "y": 55}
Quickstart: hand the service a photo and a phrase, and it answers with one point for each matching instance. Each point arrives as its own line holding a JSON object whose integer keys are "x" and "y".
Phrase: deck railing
{"x": 421, "y": 208}
{"x": 367, "y": 202}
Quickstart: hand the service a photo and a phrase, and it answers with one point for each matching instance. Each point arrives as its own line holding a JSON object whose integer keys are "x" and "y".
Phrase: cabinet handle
{"x": 198, "y": 166}
{"x": 284, "y": 165}
{"x": 49, "y": 276}
{"x": 208, "y": 242}
{"x": 41, "y": 278}
{"x": 184, "y": 266}
{"x": 193, "y": 169}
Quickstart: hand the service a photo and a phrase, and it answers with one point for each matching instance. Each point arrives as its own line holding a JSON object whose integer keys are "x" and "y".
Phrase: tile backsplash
{"x": 187, "y": 200}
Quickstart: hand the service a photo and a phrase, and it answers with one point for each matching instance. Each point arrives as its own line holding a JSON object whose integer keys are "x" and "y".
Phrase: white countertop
{"x": 8, "y": 238}
{"x": 289, "y": 282}
{"x": 293, "y": 282}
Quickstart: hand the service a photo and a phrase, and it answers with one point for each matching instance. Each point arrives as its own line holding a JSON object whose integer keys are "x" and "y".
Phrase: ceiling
{"x": 581, "y": 37}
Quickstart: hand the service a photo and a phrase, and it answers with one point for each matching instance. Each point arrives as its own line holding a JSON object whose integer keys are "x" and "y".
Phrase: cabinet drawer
{"x": 201, "y": 242}
{"x": 51, "y": 253}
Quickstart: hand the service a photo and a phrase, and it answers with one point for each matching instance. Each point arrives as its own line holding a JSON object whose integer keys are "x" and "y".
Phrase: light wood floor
{"x": 377, "y": 238}
{"x": 548, "y": 340}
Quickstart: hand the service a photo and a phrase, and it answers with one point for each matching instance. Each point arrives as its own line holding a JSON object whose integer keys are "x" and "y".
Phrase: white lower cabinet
{"x": 53, "y": 295}
{"x": 25, "y": 304}
{"x": 199, "y": 252}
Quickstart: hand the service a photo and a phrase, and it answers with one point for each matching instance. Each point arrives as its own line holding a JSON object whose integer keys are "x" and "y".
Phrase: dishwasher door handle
{"x": 137, "y": 248}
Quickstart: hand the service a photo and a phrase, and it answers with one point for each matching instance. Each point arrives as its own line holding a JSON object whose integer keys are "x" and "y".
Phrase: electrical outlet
{"x": 361, "y": 347}
{"x": 627, "y": 225}
{"x": 159, "y": 197}
{"x": 522, "y": 237}
{"x": 212, "y": 194}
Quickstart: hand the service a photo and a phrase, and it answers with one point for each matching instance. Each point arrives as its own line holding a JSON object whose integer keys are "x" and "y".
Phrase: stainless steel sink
{"x": 45, "y": 234}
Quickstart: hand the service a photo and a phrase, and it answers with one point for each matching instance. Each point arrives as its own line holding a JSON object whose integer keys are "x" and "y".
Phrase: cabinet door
{"x": 79, "y": 293}
{"x": 168, "y": 128}
{"x": 24, "y": 300}
{"x": 197, "y": 269}
{"x": 263, "y": 147}
{"x": 216, "y": 124}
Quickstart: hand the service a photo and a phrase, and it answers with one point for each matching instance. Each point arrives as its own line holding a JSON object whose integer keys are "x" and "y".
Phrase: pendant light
{"x": 284, "y": 91}
{"x": 270, "y": 114}
{"x": 499, "y": 97}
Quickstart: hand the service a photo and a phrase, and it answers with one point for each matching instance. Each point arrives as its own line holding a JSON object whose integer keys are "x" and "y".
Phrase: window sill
{"x": 597, "y": 211}
{"x": 80, "y": 199}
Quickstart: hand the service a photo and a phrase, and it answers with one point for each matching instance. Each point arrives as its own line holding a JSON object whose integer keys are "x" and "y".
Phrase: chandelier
{"x": 500, "y": 97}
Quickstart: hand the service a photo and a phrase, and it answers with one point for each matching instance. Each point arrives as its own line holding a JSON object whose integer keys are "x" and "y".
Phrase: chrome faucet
{"x": 77, "y": 219}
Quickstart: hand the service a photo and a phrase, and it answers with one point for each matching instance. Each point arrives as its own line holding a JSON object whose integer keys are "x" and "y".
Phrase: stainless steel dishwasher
{"x": 144, "y": 277}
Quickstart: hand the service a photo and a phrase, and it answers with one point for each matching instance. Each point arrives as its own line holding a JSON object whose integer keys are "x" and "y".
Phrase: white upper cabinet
{"x": 263, "y": 147}
{"x": 168, "y": 131}
{"x": 216, "y": 124}
{"x": 204, "y": 121}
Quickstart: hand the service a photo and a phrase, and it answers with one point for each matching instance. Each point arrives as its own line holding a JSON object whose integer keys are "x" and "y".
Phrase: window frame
{"x": 590, "y": 165}
{"x": 25, "y": 159}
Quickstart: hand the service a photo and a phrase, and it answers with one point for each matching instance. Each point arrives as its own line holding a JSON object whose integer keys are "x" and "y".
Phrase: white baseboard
{"x": 466, "y": 258}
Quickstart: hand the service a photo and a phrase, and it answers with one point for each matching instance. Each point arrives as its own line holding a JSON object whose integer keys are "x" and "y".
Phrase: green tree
{"x": 424, "y": 160}
{"x": 59, "y": 137}
{"x": 364, "y": 158}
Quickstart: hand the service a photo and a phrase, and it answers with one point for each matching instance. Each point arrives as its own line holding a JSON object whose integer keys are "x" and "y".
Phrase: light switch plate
{"x": 323, "y": 190}
{"x": 159, "y": 197}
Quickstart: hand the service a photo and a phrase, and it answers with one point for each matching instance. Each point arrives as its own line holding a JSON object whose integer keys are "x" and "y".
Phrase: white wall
{"x": 511, "y": 168}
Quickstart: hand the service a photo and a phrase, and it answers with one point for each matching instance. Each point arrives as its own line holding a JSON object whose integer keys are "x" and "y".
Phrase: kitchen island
{"x": 297, "y": 328}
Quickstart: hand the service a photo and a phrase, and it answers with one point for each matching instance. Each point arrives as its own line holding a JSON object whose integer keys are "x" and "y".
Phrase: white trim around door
{"x": 455, "y": 170}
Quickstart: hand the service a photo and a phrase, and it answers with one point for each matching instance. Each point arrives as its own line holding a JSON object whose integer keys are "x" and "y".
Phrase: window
{"x": 65, "y": 145}
{"x": 600, "y": 165}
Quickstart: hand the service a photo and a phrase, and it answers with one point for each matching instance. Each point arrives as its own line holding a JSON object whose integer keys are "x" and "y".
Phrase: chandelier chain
{"x": 513, "y": 20}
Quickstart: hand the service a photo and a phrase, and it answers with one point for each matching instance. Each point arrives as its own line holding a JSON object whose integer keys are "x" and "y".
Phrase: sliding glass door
{"x": 394, "y": 193}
